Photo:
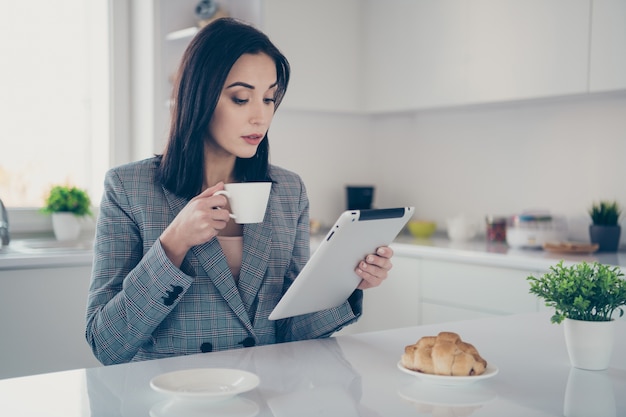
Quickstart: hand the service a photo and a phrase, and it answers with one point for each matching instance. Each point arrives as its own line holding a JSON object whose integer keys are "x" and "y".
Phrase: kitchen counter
{"x": 353, "y": 375}
{"x": 31, "y": 253}
{"x": 45, "y": 253}
{"x": 479, "y": 251}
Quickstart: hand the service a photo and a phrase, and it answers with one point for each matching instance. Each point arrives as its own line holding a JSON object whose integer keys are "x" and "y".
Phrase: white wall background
{"x": 557, "y": 154}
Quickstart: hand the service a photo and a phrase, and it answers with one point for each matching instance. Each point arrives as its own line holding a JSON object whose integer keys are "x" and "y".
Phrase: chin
{"x": 247, "y": 154}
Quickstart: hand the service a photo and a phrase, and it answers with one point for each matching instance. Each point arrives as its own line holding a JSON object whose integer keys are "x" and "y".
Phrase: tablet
{"x": 328, "y": 278}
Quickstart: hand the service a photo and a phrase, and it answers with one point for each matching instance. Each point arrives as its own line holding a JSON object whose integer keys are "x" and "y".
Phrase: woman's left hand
{"x": 374, "y": 268}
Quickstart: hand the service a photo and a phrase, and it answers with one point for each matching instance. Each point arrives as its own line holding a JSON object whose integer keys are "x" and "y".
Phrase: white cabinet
{"x": 607, "y": 70}
{"x": 456, "y": 291}
{"x": 322, "y": 43}
{"x": 421, "y": 290}
{"x": 372, "y": 56}
{"x": 425, "y": 54}
{"x": 415, "y": 54}
{"x": 392, "y": 304}
{"x": 527, "y": 49}
{"x": 42, "y": 320}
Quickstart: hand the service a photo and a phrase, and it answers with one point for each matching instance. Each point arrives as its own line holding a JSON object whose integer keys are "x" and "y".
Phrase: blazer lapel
{"x": 256, "y": 253}
{"x": 212, "y": 259}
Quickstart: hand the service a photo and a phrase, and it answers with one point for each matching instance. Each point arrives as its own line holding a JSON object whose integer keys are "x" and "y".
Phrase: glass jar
{"x": 496, "y": 228}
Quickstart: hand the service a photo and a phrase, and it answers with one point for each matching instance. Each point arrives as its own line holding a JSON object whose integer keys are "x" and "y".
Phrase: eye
{"x": 239, "y": 101}
{"x": 269, "y": 100}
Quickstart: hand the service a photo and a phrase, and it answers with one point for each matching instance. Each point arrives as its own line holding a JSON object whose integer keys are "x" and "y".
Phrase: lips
{"x": 253, "y": 139}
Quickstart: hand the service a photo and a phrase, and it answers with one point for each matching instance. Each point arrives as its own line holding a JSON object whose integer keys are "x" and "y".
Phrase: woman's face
{"x": 246, "y": 106}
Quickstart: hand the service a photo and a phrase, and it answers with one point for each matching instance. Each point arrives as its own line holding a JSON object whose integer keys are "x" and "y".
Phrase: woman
{"x": 172, "y": 273}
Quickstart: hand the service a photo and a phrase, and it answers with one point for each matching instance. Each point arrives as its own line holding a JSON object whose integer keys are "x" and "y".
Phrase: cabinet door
{"x": 463, "y": 288}
{"x": 42, "y": 321}
{"x": 321, "y": 41}
{"x": 608, "y": 46}
{"x": 527, "y": 49}
{"x": 415, "y": 53}
{"x": 394, "y": 303}
{"x": 426, "y": 54}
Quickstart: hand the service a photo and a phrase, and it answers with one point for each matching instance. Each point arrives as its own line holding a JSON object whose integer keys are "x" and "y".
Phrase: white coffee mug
{"x": 248, "y": 200}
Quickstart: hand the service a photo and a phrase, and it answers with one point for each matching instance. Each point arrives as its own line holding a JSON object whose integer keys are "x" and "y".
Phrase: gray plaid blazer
{"x": 140, "y": 306}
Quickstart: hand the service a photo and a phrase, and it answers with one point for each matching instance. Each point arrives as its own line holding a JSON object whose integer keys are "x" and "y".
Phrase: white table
{"x": 351, "y": 376}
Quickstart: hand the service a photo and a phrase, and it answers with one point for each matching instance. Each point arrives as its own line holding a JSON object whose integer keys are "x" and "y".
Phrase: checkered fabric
{"x": 141, "y": 306}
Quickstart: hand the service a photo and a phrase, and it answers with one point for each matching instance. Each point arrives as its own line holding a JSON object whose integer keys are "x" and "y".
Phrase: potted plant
{"x": 585, "y": 298}
{"x": 67, "y": 204}
{"x": 605, "y": 230}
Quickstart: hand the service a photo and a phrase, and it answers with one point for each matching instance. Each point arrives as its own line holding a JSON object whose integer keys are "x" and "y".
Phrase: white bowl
{"x": 461, "y": 229}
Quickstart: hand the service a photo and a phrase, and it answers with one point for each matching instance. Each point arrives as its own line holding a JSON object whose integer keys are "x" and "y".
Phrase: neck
{"x": 219, "y": 166}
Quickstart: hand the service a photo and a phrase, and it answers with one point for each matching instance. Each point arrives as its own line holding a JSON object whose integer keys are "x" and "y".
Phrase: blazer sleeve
{"x": 319, "y": 324}
{"x": 130, "y": 292}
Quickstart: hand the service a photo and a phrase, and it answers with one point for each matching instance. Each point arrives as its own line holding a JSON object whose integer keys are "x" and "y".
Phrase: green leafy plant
{"x": 605, "y": 213}
{"x": 63, "y": 198}
{"x": 589, "y": 292}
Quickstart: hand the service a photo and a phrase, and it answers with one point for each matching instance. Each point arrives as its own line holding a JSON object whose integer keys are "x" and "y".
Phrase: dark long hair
{"x": 200, "y": 79}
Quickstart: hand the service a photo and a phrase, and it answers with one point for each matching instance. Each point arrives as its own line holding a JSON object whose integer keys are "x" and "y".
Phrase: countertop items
{"x": 533, "y": 230}
{"x": 354, "y": 375}
{"x": 481, "y": 252}
{"x": 422, "y": 229}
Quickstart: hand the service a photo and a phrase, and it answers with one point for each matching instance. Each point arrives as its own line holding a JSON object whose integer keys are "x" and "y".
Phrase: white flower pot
{"x": 66, "y": 226}
{"x": 589, "y": 343}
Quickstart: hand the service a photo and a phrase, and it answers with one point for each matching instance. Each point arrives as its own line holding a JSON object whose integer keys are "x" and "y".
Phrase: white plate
{"x": 490, "y": 371}
{"x": 205, "y": 383}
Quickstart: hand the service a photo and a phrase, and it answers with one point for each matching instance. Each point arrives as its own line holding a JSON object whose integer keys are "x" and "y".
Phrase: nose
{"x": 261, "y": 113}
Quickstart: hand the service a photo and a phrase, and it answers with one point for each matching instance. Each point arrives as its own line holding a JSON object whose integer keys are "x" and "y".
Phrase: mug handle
{"x": 225, "y": 193}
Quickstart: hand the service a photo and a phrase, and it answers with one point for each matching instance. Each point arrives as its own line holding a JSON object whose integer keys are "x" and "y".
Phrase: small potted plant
{"x": 605, "y": 229}
{"x": 585, "y": 298}
{"x": 67, "y": 204}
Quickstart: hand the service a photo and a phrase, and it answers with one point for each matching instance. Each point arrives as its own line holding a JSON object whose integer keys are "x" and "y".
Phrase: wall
{"x": 558, "y": 154}
{"x": 329, "y": 150}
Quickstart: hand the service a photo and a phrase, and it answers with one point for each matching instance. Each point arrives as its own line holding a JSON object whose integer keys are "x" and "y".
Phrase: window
{"x": 54, "y": 104}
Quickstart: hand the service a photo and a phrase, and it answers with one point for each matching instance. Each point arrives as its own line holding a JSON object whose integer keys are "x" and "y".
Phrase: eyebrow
{"x": 246, "y": 85}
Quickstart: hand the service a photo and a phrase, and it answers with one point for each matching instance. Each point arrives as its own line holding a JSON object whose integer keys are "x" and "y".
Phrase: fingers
{"x": 211, "y": 190}
{"x": 374, "y": 268}
{"x": 207, "y": 200}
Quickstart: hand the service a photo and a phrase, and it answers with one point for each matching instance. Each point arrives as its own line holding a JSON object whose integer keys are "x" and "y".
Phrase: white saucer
{"x": 205, "y": 383}
{"x": 490, "y": 371}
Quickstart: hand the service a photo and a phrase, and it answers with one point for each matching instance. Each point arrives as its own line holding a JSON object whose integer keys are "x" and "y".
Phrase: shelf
{"x": 182, "y": 34}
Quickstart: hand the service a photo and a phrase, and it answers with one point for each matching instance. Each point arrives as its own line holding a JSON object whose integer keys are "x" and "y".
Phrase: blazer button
{"x": 172, "y": 295}
{"x": 248, "y": 342}
{"x": 206, "y": 347}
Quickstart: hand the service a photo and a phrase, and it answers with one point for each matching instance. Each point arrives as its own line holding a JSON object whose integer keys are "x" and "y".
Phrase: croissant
{"x": 444, "y": 354}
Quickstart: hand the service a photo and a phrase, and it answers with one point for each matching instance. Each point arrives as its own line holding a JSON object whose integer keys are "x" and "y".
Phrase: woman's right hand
{"x": 198, "y": 222}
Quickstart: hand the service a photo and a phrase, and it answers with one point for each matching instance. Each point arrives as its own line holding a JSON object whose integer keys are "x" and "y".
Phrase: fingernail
{"x": 370, "y": 258}
{"x": 380, "y": 251}
{"x": 363, "y": 265}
